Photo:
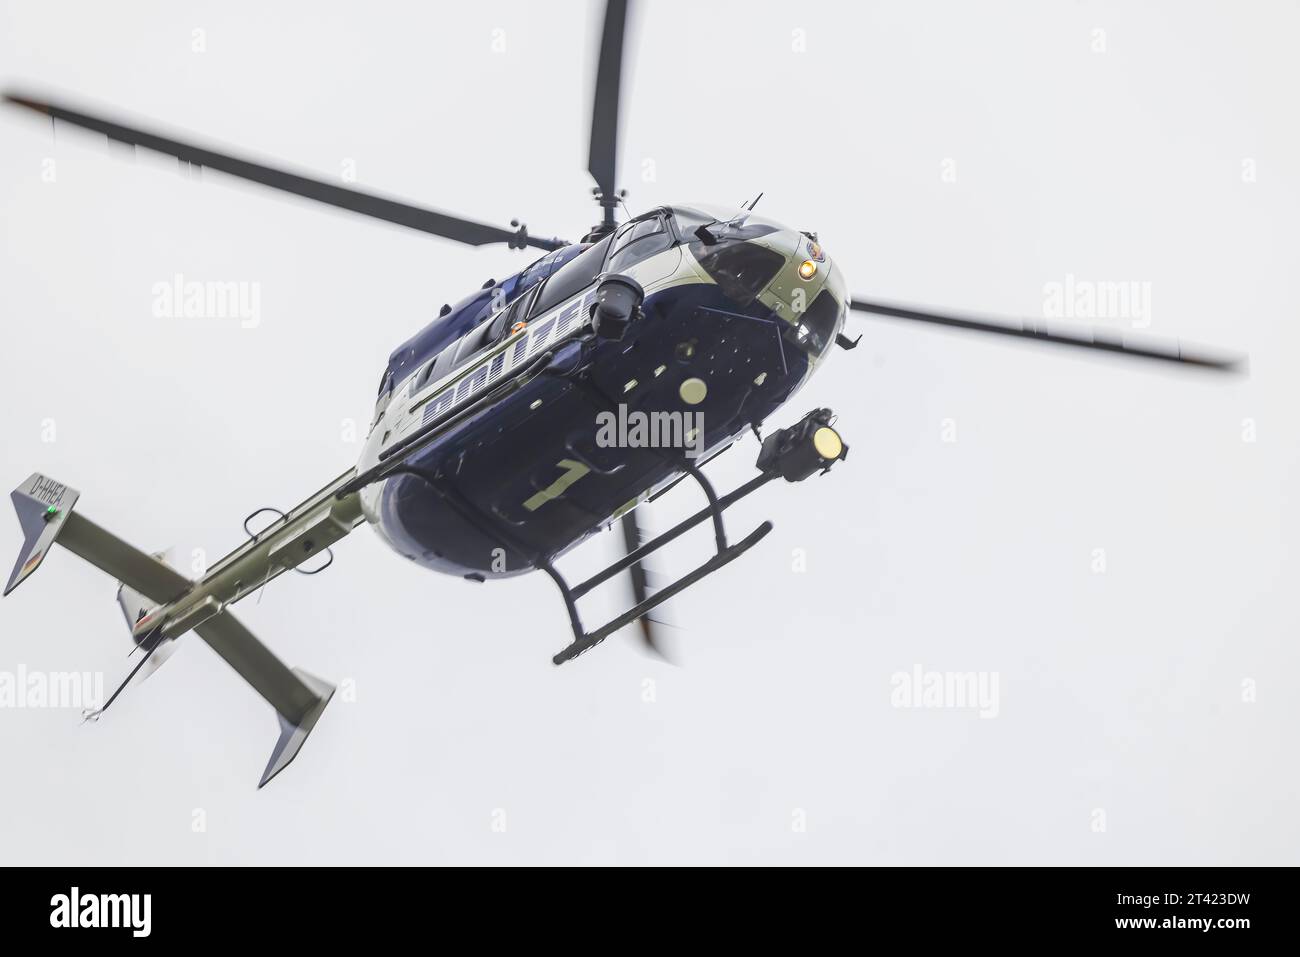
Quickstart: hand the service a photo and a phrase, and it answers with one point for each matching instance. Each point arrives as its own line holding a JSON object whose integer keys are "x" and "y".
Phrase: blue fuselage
{"x": 530, "y": 474}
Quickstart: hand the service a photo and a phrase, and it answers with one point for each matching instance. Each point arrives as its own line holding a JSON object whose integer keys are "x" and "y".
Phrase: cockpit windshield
{"x": 688, "y": 219}
{"x": 722, "y": 224}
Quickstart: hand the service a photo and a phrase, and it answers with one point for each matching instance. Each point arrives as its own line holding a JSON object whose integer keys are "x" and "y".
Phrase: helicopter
{"x": 538, "y": 411}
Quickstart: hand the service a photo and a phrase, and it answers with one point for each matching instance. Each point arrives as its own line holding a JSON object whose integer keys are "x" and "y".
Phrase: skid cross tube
{"x": 655, "y": 544}
{"x": 584, "y": 640}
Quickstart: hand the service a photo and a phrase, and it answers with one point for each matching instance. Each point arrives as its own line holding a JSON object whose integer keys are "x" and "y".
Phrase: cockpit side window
{"x": 814, "y": 332}
{"x": 571, "y": 278}
{"x": 540, "y": 269}
{"x": 637, "y": 241}
{"x": 505, "y": 320}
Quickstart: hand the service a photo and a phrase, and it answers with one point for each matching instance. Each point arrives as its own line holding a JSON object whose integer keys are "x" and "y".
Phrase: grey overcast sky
{"x": 1115, "y": 543}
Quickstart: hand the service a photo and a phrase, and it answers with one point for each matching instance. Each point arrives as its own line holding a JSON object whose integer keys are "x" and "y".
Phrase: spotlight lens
{"x": 807, "y": 269}
{"x": 827, "y": 442}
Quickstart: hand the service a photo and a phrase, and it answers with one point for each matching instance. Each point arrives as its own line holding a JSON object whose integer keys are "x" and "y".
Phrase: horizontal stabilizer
{"x": 129, "y": 565}
{"x": 298, "y": 698}
{"x": 44, "y": 508}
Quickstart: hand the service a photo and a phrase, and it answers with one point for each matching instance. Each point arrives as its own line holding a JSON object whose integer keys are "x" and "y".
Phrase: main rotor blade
{"x": 355, "y": 200}
{"x": 602, "y": 159}
{"x": 632, "y": 540}
{"x": 1087, "y": 337}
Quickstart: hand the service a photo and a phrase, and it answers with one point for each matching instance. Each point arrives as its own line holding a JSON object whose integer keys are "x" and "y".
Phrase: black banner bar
{"x": 1149, "y": 906}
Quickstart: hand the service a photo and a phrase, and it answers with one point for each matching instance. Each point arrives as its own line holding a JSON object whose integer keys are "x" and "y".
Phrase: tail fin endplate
{"x": 43, "y": 506}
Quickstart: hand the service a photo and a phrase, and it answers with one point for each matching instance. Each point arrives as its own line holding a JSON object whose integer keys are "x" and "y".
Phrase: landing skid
{"x": 584, "y": 640}
{"x": 794, "y": 454}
